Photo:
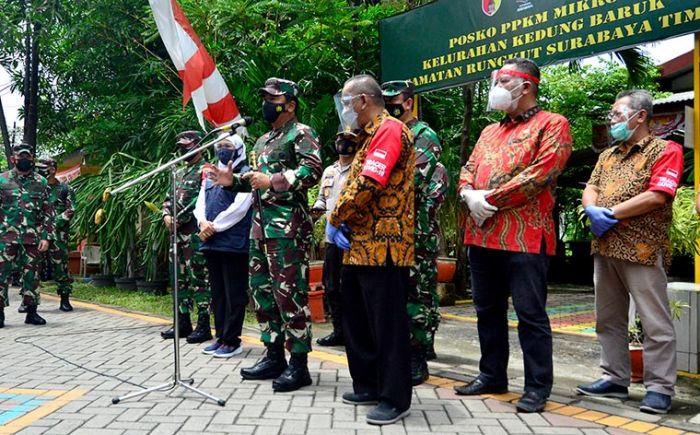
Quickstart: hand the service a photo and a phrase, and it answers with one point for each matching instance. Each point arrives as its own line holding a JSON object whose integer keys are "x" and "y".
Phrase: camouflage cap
{"x": 186, "y": 137}
{"x": 23, "y": 148}
{"x": 275, "y": 86}
{"x": 396, "y": 87}
{"x": 48, "y": 161}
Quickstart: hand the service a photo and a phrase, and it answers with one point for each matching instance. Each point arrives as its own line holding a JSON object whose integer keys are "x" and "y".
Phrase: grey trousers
{"x": 615, "y": 280}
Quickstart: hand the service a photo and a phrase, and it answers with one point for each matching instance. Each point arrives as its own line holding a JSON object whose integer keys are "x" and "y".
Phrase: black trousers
{"x": 497, "y": 274}
{"x": 376, "y": 331}
{"x": 332, "y": 266}
{"x": 228, "y": 278}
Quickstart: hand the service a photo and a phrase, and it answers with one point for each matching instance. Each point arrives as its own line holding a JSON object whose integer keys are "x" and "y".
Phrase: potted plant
{"x": 683, "y": 234}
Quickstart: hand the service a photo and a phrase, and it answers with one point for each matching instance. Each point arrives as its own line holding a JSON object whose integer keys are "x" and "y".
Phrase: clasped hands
{"x": 602, "y": 219}
{"x": 479, "y": 208}
{"x": 338, "y": 235}
{"x": 206, "y": 230}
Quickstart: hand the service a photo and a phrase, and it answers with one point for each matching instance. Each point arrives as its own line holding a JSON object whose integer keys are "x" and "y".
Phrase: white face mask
{"x": 502, "y": 99}
{"x": 349, "y": 118}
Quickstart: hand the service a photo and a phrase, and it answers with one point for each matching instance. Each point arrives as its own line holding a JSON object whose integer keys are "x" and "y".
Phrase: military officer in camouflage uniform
{"x": 62, "y": 198}
{"x": 289, "y": 163}
{"x": 423, "y": 301}
{"x": 193, "y": 288}
{"x": 26, "y": 227}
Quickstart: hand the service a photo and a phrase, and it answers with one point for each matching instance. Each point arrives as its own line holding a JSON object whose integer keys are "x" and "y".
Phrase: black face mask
{"x": 271, "y": 111}
{"x": 184, "y": 151}
{"x": 346, "y": 145}
{"x": 24, "y": 165}
{"x": 395, "y": 110}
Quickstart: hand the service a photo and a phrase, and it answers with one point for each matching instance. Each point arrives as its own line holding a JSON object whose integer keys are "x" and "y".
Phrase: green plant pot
{"x": 157, "y": 287}
{"x": 102, "y": 280}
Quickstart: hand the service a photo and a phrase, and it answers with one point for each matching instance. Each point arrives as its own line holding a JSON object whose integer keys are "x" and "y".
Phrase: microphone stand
{"x": 177, "y": 380}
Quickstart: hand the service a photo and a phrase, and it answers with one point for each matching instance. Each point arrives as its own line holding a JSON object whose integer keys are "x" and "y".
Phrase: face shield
{"x": 506, "y": 89}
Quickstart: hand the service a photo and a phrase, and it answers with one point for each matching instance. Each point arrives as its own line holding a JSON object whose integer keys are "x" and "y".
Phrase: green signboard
{"x": 451, "y": 42}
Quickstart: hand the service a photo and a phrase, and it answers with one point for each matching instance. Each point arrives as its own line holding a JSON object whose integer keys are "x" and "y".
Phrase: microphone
{"x": 242, "y": 122}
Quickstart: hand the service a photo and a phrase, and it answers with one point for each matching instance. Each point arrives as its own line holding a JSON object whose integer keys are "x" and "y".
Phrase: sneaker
{"x": 226, "y": 351}
{"x": 655, "y": 403}
{"x": 386, "y": 413}
{"x": 209, "y": 350}
{"x": 603, "y": 388}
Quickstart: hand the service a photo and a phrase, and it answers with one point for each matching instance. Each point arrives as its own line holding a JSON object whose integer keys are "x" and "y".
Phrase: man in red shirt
{"x": 628, "y": 200}
{"x": 508, "y": 185}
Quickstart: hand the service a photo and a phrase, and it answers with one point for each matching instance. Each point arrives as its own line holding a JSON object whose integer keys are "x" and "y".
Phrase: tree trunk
{"x": 31, "y": 114}
{"x": 462, "y": 278}
{"x": 5, "y": 135}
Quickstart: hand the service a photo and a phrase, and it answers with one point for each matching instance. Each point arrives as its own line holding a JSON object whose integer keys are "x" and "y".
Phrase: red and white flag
{"x": 201, "y": 79}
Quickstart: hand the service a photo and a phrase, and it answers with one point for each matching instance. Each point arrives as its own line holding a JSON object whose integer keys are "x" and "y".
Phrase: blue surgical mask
{"x": 225, "y": 155}
{"x": 620, "y": 131}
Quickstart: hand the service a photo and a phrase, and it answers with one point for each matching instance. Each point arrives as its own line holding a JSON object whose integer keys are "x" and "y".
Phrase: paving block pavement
{"x": 79, "y": 361}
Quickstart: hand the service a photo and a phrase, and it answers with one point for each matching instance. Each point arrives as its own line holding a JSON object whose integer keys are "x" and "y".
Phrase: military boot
{"x": 185, "y": 327}
{"x": 269, "y": 367}
{"x": 202, "y": 332}
{"x": 296, "y": 375}
{"x": 419, "y": 366}
{"x": 2, "y": 313}
{"x": 65, "y": 303}
{"x": 32, "y": 317}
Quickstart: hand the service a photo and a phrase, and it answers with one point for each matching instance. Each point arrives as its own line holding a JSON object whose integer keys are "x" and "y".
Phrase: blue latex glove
{"x": 330, "y": 231}
{"x": 602, "y": 219}
{"x": 341, "y": 238}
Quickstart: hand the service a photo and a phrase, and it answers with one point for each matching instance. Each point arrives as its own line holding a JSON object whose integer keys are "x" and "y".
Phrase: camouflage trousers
{"x": 193, "y": 286}
{"x": 279, "y": 288}
{"x": 24, "y": 258}
{"x": 58, "y": 257}
{"x": 423, "y": 300}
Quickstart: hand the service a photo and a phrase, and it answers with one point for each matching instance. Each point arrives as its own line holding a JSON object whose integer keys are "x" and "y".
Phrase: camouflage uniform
{"x": 430, "y": 186}
{"x": 279, "y": 280}
{"x": 193, "y": 287}
{"x": 26, "y": 218}
{"x": 61, "y": 197}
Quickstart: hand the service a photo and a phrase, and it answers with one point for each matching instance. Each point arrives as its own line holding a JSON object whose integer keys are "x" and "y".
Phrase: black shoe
{"x": 350, "y": 398}
{"x": 531, "y": 402}
{"x": 333, "y": 339}
{"x": 477, "y": 386}
{"x": 65, "y": 303}
{"x": 32, "y": 317}
{"x": 419, "y": 367}
{"x": 202, "y": 332}
{"x": 295, "y": 376}
{"x": 270, "y": 367}
{"x": 185, "y": 325}
{"x": 2, "y": 316}
{"x": 22, "y": 308}
{"x": 386, "y": 413}
{"x": 430, "y": 353}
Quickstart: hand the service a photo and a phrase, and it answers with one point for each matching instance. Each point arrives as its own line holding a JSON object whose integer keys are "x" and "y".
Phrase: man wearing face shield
{"x": 224, "y": 220}
{"x": 508, "y": 184}
{"x": 332, "y": 183}
{"x": 628, "y": 200}
{"x": 373, "y": 222}
{"x": 288, "y": 164}
{"x": 61, "y": 198}
{"x": 423, "y": 301}
{"x": 193, "y": 288}
{"x": 26, "y": 227}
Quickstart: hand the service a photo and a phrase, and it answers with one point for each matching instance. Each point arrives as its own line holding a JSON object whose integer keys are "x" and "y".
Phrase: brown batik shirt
{"x": 652, "y": 164}
{"x": 377, "y": 203}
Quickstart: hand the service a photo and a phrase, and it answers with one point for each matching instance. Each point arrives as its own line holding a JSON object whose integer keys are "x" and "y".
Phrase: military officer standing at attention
{"x": 26, "y": 226}
{"x": 192, "y": 273}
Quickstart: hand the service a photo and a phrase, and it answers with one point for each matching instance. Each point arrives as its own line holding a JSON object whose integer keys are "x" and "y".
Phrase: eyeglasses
{"x": 617, "y": 114}
{"x": 346, "y": 100}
